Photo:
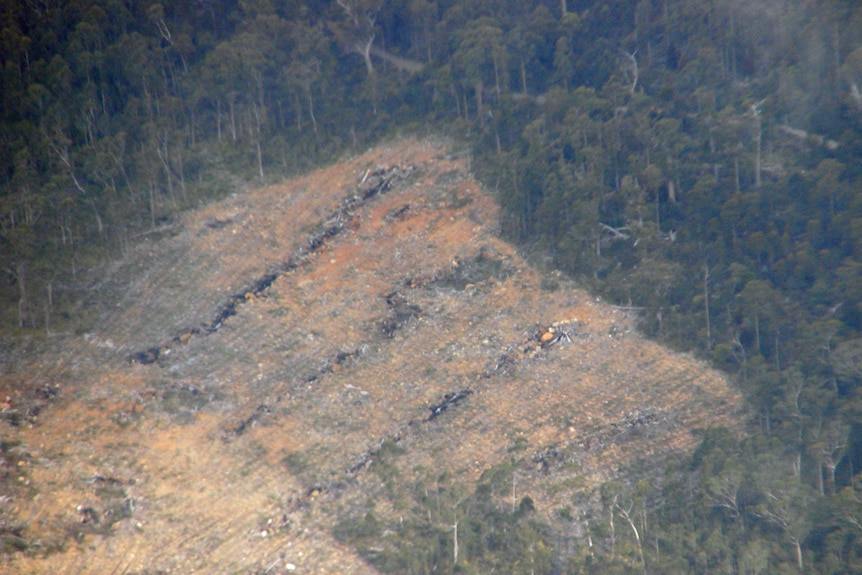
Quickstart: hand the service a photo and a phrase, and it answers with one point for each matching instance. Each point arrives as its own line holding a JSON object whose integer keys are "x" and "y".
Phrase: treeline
{"x": 117, "y": 115}
{"x": 730, "y": 507}
{"x": 698, "y": 161}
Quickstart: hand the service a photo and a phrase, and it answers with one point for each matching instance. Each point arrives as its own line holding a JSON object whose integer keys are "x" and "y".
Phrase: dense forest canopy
{"x": 695, "y": 160}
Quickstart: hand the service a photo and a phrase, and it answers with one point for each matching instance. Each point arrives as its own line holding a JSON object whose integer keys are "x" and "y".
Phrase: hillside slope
{"x": 251, "y": 363}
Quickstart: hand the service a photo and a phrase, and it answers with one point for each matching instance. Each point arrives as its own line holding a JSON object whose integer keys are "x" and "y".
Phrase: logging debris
{"x": 449, "y": 400}
{"x": 374, "y": 183}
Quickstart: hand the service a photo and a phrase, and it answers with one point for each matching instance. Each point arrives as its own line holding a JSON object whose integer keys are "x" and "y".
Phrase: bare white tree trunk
{"x": 232, "y": 119}
{"x": 627, "y": 516}
{"x": 798, "y": 547}
{"x": 632, "y": 70}
{"x": 311, "y": 108}
{"x": 23, "y": 304}
{"x": 365, "y": 51}
{"x": 758, "y": 142}
{"x": 478, "y": 87}
{"x": 218, "y": 118}
{"x": 706, "y": 304}
{"x": 455, "y": 544}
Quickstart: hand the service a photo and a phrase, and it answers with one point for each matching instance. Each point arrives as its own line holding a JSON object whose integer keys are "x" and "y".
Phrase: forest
{"x": 694, "y": 161}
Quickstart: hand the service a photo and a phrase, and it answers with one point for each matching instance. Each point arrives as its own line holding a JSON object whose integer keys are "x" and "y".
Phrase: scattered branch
{"x": 620, "y": 233}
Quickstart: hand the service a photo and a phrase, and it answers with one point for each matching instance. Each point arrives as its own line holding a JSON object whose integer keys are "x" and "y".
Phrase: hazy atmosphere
{"x": 417, "y": 286}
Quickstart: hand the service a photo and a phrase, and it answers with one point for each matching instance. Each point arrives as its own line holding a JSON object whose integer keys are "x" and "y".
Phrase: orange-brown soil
{"x": 234, "y": 445}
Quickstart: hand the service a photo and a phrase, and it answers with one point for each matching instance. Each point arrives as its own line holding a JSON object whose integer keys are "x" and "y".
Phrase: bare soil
{"x": 249, "y": 365}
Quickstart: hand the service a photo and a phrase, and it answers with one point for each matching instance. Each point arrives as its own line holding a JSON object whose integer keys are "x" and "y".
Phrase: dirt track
{"x": 235, "y": 447}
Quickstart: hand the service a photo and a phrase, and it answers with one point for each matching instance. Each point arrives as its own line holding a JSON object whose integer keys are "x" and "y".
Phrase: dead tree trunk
{"x": 365, "y": 52}
{"x": 706, "y": 304}
{"x": 627, "y": 516}
{"x": 478, "y": 87}
{"x": 23, "y": 304}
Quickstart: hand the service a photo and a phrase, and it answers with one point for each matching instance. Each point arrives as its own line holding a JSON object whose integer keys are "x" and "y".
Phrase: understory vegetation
{"x": 695, "y": 161}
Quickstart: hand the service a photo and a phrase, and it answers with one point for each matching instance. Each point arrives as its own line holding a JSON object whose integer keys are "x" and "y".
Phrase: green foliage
{"x": 490, "y": 535}
{"x": 698, "y": 161}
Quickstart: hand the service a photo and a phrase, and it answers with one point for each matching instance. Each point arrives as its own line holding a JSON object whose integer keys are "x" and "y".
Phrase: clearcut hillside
{"x": 254, "y": 364}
